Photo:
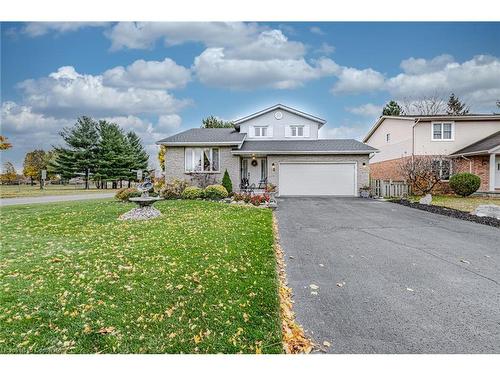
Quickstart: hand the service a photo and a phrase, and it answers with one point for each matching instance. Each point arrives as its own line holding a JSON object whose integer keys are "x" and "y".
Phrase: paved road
{"x": 410, "y": 281}
{"x": 53, "y": 198}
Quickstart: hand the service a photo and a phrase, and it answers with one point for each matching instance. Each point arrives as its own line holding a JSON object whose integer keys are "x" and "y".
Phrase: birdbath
{"x": 145, "y": 211}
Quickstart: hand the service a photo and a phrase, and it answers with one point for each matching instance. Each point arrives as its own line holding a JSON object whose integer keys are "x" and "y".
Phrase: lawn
{"x": 467, "y": 204}
{"x": 15, "y": 191}
{"x": 74, "y": 279}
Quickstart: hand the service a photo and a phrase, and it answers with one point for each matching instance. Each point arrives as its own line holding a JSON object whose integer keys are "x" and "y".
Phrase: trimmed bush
{"x": 192, "y": 192}
{"x": 126, "y": 193}
{"x": 227, "y": 183}
{"x": 173, "y": 189}
{"x": 215, "y": 192}
{"x": 465, "y": 184}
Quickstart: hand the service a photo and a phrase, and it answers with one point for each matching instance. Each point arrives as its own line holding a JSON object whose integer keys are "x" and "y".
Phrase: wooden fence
{"x": 389, "y": 188}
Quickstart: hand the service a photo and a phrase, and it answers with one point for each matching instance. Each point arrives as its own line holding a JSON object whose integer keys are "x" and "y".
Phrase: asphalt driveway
{"x": 391, "y": 279}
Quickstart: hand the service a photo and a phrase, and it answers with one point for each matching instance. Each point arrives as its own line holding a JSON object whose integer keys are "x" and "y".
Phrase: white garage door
{"x": 317, "y": 179}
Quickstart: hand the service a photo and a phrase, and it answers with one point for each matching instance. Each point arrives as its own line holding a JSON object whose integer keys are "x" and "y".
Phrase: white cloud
{"x": 67, "y": 93}
{"x": 352, "y": 81}
{"x": 419, "y": 66}
{"x": 477, "y": 81}
{"x": 213, "y": 68}
{"x": 143, "y": 35}
{"x": 316, "y": 30}
{"x": 34, "y": 29}
{"x": 325, "y": 49}
{"x": 164, "y": 74}
{"x": 272, "y": 44}
{"x": 367, "y": 110}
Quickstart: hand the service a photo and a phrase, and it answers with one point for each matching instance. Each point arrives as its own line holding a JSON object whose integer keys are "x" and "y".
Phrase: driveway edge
{"x": 294, "y": 339}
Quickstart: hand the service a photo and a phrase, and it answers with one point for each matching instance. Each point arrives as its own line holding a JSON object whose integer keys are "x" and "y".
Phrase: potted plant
{"x": 364, "y": 192}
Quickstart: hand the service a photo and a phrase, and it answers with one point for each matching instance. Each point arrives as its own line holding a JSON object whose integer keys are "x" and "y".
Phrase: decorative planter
{"x": 364, "y": 193}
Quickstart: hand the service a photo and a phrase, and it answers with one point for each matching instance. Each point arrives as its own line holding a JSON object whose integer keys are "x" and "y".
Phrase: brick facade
{"x": 478, "y": 165}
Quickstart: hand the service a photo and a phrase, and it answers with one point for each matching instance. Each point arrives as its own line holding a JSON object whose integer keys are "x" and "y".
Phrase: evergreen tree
{"x": 456, "y": 107}
{"x": 214, "y": 122}
{"x": 139, "y": 158}
{"x": 114, "y": 159}
{"x": 227, "y": 183}
{"x": 392, "y": 109}
{"x": 80, "y": 154}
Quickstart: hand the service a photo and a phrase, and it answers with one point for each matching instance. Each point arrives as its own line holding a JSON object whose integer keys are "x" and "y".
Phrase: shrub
{"x": 247, "y": 197}
{"x": 192, "y": 192}
{"x": 464, "y": 184}
{"x": 173, "y": 189}
{"x": 126, "y": 193}
{"x": 227, "y": 183}
{"x": 215, "y": 192}
{"x": 256, "y": 200}
{"x": 238, "y": 196}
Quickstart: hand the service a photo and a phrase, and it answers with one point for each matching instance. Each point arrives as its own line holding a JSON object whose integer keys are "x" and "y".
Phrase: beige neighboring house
{"x": 469, "y": 143}
{"x": 277, "y": 145}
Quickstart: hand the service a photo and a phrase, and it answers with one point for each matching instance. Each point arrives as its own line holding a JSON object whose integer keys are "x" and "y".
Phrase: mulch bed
{"x": 491, "y": 221}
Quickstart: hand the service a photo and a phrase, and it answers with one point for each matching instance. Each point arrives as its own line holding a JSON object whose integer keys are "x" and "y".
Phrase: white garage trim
{"x": 353, "y": 163}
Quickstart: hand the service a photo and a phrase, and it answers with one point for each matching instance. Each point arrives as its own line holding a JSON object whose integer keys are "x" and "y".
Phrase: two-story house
{"x": 278, "y": 145}
{"x": 468, "y": 143}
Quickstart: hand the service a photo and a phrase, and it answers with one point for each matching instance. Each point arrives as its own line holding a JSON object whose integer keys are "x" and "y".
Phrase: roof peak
{"x": 278, "y": 106}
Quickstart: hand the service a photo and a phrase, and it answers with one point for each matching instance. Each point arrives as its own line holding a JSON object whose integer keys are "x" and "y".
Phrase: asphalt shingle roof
{"x": 319, "y": 145}
{"x": 210, "y": 135}
{"x": 484, "y": 144}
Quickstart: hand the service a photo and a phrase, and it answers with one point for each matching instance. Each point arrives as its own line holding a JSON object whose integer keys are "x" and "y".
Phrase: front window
{"x": 202, "y": 160}
{"x": 442, "y": 131}
{"x": 261, "y": 131}
{"x": 297, "y": 131}
{"x": 443, "y": 167}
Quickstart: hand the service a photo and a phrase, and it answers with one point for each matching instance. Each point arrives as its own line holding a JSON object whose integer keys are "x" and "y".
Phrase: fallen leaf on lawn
{"x": 197, "y": 339}
{"x": 313, "y": 286}
{"x": 180, "y": 286}
{"x": 106, "y": 330}
{"x": 327, "y": 344}
{"x": 87, "y": 329}
{"x": 172, "y": 335}
{"x": 56, "y": 260}
{"x": 245, "y": 317}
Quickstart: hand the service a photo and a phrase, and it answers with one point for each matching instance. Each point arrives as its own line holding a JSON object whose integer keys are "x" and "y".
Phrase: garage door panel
{"x": 317, "y": 179}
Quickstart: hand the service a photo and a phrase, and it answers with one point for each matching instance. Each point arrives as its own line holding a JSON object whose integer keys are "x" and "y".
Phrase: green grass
{"x": 467, "y": 204}
{"x": 17, "y": 191}
{"x": 74, "y": 279}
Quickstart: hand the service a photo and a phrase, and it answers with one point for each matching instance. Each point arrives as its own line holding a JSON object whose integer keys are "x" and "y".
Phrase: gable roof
{"x": 205, "y": 136}
{"x": 482, "y": 146}
{"x": 321, "y": 146}
{"x": 278, "y": 106}
{"x": 476, "y": 116}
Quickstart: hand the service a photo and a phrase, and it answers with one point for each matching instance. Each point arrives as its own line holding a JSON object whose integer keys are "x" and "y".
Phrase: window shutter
{"x": 288, "y": 131}
{"x": 270, "y": 131}
{"x": 306, "y": 131}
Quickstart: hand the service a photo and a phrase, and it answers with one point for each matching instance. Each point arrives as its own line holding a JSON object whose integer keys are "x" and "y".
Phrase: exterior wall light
{"x": 273, "y": 166}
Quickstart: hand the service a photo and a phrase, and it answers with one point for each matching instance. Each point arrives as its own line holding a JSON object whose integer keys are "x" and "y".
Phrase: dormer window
{"x": 297, "y": 130}
{"x": 442, "y": 131}
{"x": 260, "y": 131}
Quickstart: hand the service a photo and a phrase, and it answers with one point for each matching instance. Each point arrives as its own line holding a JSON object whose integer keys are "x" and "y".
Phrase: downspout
{"x": 413, "y": 138}
{"x": 470, "y": 163}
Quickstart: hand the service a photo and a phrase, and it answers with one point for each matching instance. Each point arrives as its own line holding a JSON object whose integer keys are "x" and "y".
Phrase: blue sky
{"x": 161, "y": 78}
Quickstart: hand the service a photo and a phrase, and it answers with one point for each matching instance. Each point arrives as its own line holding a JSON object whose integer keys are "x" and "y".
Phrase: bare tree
{"x": 422, "y": 173}
{"x": 427, "y": 105}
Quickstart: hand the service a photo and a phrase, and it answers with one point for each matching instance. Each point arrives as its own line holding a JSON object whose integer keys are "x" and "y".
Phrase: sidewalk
{"x": 53, "y": 198}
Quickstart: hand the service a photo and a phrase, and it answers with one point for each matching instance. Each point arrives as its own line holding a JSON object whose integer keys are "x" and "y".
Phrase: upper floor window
{"x": 260, "y": 131}
{"x": 442, "y": 131}
{"x": 202, "y": 160}
{"x": 297, "y": 130}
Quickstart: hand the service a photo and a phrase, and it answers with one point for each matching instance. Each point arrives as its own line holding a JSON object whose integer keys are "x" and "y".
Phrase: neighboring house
{"x": 468, "y": 143}
{"x": 278, "y": 145}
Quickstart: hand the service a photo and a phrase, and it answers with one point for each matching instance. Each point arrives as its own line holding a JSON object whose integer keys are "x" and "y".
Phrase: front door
{"x": 254, "y": 169}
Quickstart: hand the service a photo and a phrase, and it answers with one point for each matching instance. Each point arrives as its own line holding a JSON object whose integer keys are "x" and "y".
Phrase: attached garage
{"x": 317, "y": 178}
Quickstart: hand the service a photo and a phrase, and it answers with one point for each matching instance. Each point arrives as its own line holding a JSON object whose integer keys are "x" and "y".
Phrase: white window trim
{"x": 261, "y": 127}
{"x": 450, "y": 173}
{"x": 192, "y": 158}
{"x": 298, "y": 126}
{"x": 442, "y": 131}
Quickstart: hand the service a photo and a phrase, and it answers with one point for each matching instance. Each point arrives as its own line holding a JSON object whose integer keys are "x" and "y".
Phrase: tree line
{"x": 95, "y": 150}
{"x": 428, "y": 105}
